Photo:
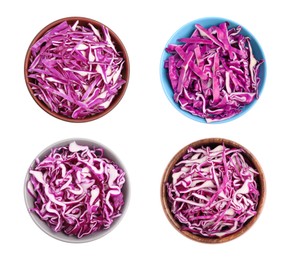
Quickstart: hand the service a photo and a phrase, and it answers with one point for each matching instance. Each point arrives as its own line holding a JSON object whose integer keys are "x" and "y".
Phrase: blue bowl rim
{"x": 173, "y": 39}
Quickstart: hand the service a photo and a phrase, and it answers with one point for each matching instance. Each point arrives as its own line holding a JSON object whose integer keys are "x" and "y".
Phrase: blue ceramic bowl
{"x": 186, "y": 31}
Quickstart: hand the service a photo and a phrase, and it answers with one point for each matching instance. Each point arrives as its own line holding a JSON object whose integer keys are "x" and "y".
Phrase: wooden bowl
{"x": 119, "y": 47}
{"x": 213, "y": 142}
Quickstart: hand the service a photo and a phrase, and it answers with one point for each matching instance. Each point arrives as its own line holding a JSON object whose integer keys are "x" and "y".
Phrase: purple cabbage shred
{"x": 214, "y": 73}
{"x": 76, "y": 70}
{"x": 76, "y": 190}
{"x": 213, "y": 192}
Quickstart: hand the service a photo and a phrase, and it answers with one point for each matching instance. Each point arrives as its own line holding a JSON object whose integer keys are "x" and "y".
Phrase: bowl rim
{"x": 119, "y": 44}
{"x": 60, "y": 235}
{"x": 205, "y": 142}
{"x": 166, "y": 84}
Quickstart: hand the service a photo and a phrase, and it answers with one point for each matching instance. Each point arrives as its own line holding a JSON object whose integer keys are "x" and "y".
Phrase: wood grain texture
{"x": 119, "y": 47}
{"x": 213, "y": 142}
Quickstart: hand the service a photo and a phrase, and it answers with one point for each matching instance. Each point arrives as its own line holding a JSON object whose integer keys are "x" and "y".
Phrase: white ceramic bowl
{"x": 29, "y": 200}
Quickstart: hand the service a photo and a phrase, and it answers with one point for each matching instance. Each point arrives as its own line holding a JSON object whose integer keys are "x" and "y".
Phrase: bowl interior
{"x": 212, "y": 142}
{"x": 120, "y": 48}
{"x": 186, "y": 31}
{"x": 29, "y": 201}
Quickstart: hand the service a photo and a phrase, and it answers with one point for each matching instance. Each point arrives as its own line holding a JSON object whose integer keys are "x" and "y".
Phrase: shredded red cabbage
{"x": 213, "y": 192}
{"x": 213, "y": 73}
{"x": 76, "y": 70}
{"x": 76, "y": 190}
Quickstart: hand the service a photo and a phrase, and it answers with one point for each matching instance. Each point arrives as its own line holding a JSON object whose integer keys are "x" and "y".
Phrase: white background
{"x": 145, "y": 131}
